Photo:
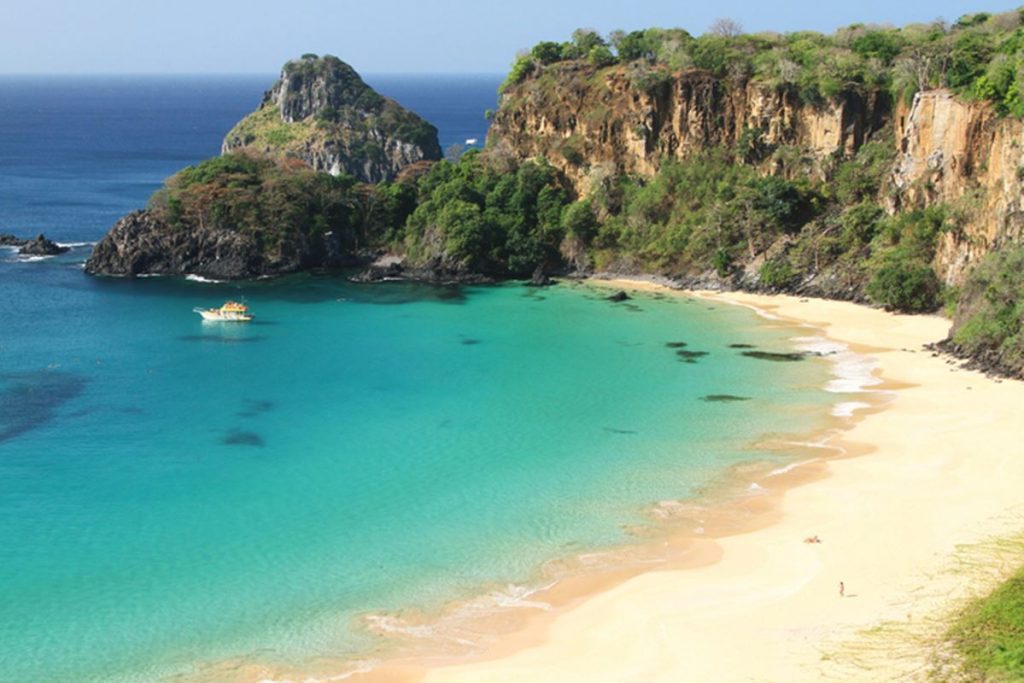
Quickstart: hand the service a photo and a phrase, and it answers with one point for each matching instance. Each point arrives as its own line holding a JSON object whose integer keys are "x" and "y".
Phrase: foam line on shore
{"x": 204, "y": 280}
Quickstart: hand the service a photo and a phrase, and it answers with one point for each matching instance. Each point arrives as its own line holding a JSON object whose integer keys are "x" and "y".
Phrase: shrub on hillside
{"x": 905, "y": 283}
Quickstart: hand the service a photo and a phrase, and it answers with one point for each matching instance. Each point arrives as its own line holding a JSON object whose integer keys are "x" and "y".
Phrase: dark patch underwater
{"x": 29, "y": 400}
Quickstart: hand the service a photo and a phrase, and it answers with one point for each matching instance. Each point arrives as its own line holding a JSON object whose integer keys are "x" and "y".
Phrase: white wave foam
{"x": 394, "y": 625}
{"x": 790, "y": 467}
{"x": 33, "y": 259}
{"x": 765, "y": 314}
{"x": 516, "y": 596}
{"x": 820, "y": 345}
{"x": 363, "y": 668}
{"x": 451, "y": 626}
{"x": 756, "y": 488}
{"x": 200, "y": 278}
{"x": 848, "y": 408}
{"x": 854, "y": 372}
{"x": 74, "y": 245}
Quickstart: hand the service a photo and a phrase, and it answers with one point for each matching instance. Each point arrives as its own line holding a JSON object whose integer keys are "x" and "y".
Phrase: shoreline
{"x": 500, "y": 620}
{"x": 767, "y": 590}
{"x": 675, "y": 606}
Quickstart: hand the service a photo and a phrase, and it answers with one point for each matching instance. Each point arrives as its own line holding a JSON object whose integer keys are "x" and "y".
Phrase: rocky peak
{"x": 322, "y": 112}
{"x": 313, "y": 86}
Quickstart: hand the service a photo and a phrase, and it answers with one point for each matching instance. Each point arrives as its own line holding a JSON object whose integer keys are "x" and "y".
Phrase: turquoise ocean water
{"x": 174, "y": 492}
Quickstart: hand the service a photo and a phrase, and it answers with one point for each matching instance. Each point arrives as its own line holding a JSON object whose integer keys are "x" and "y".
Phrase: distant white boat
{"x": 231, "y": 311}
{"x": 471, "y": 141}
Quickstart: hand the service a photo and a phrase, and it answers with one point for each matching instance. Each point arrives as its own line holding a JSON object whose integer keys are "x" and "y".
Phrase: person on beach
{"x": 842, "y": 589}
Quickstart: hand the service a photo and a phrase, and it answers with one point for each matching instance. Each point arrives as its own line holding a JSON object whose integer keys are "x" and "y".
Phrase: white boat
{"x": 231, "y": 311}
{"x": 471, "y": 141}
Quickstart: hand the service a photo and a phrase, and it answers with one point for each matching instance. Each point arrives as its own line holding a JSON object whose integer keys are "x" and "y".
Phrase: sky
{"x": 393, "y": 36}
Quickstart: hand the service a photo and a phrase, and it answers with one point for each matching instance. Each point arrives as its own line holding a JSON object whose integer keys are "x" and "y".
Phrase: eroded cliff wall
{"x": 580, "y": 119}
{"x": 965, "y": 155}
{"x": 594, "y": 123}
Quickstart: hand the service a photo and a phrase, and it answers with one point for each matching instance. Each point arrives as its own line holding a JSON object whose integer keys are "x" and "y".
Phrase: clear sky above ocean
{"x": 404, "y": 36}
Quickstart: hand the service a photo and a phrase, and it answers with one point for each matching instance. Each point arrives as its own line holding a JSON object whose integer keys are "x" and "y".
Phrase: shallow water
{"x": 173, "y": 492}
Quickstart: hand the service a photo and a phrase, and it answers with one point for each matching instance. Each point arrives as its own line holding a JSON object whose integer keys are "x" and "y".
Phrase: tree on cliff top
{"x": 981, "y": 57}
{"x": 726, "y": 28}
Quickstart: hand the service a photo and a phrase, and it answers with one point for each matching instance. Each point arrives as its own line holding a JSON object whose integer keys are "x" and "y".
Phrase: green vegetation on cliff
{"x": 703, "y": 212}
{"x": 706, "y": 213}
{"x": 979, "y": 56}
{"x": 989, "y": 318}
{"x": 487, "y": 218}
{"x": 274, "y": 201}
{"x": 265, "y": 129}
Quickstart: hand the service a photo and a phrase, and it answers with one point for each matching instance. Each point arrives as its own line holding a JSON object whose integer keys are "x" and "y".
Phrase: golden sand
{"x": 943, "y": 468}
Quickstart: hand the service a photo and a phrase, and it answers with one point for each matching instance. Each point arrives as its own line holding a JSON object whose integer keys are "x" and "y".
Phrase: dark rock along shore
{"x": 142, "y": 243}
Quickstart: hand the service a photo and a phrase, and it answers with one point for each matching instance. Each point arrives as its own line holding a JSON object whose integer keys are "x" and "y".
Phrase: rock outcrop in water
{"x": 284, "y": 196}
{"x": 37, "y": 246}
{"x": 321, "y": 111}
{"x": 40, "y": 246}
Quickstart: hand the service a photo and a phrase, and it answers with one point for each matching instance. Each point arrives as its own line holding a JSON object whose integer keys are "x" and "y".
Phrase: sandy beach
{"x": 908, "y": 528}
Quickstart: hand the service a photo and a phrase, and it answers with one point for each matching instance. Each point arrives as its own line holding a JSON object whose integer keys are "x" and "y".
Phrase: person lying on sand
{"x": 812, "y": 539}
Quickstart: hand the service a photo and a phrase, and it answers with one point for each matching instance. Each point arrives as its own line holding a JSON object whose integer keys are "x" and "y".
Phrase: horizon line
{"x": 275, "y": 74}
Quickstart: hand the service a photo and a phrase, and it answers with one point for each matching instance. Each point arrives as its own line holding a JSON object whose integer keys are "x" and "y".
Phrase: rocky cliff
{"x": 143, "y": 243}
{"x": 321, "y": 111}
{"x": 597, "y": 123}
{"x": 237, "y": 217}
{"x": 582, "y": 119}
{"x": 965, "y": 155}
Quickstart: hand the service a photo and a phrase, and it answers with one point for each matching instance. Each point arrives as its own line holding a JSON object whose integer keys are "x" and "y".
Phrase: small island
{"x": 293, "y": 191}
{"x": 37, "y": 246}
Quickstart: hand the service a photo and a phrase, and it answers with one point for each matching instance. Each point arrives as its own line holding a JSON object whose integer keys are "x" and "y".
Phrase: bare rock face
{"x": 963, "y": 154}
{"x": 142, "y": 243}
{"x": 590, "y": 124}
{"x": 321, "y": 111}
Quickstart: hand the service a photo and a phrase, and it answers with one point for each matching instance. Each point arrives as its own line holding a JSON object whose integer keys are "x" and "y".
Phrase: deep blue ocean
{"x": 176, "y": 495}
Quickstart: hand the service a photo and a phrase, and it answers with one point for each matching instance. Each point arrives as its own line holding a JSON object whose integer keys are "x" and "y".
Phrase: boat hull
{"x": 214, "y": 315}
